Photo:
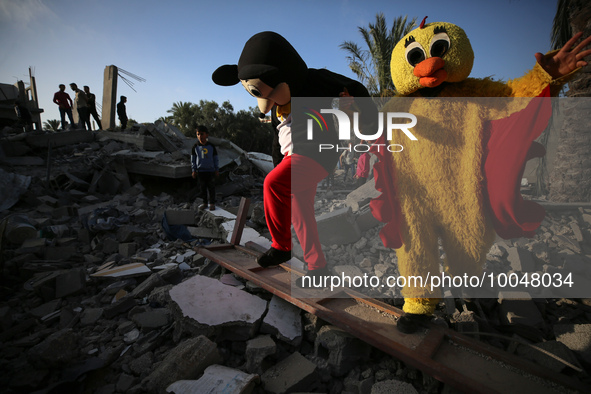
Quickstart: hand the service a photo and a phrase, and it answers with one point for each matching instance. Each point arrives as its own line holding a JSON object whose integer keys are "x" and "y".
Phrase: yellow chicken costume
{"x": 440, "y": 190}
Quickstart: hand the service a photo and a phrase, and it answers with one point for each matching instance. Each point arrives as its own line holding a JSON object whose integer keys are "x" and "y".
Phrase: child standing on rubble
{"x": 205, "y": 166}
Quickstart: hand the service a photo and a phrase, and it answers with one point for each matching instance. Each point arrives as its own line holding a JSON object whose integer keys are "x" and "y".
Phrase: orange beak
{"x": 430, "y": 72}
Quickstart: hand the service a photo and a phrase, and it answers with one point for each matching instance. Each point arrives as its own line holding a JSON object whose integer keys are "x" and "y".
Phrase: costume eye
{"x": 439, "y": 45}
{"x": 414, "y": 53}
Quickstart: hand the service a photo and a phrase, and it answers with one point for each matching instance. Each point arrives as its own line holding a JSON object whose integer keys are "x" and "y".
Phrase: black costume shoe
{"x": 273, "y": 257}
{"x": 411, "y": 322}
{"x": 314, "y": 279}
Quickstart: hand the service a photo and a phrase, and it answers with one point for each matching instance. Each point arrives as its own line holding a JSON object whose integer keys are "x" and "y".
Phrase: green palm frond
{"x": 372, "y": 64}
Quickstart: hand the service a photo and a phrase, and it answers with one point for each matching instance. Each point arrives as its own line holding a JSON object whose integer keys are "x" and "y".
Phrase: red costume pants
{"x": 288, "y": 193}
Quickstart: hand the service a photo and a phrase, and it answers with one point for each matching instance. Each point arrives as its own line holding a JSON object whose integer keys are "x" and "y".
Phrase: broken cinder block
{"x": 257, "y": 349}
{"x": 293, "y": 374}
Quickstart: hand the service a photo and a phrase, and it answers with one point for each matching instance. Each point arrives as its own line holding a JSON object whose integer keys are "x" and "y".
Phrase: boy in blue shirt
{"x": 205, "y": 166}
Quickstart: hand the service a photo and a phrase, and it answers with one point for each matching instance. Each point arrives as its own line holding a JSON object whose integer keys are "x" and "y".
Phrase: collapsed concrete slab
{"x": 173, "y": 171}
{"x": 225, "y": 311}
{"x": 168, "y": 145}
{"x": 262, "y": 161}
{"x": 141, "y": 141}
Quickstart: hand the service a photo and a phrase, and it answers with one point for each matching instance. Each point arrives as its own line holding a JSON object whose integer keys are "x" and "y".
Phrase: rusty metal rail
{"x": 455, "y": 359}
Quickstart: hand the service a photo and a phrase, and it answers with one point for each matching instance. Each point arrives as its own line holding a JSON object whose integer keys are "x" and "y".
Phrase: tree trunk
{"x": 570, "y": 179}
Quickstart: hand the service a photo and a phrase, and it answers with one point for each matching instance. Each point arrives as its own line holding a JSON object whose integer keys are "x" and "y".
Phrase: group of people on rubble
{"x": 85, "y": 106}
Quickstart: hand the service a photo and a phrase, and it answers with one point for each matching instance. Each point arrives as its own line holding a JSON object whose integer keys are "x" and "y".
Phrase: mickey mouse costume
{"x": 271, "y": 70}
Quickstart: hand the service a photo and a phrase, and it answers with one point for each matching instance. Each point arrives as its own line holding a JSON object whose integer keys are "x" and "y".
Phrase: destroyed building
{"x": 18, "y": 101}
{"x": 104, "y": 289}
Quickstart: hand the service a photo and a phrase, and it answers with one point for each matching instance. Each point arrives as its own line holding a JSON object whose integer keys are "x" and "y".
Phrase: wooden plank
{"x": 240, "y": 221}
{"x": 430, "y": 345}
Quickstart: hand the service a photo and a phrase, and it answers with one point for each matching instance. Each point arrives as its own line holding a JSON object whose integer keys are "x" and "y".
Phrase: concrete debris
{"x": 393, "y": 386}
{"x": 186, "y": 361}
{"x": 520, "y": 260}
{"x": 56, "y": 350}
{"x": 338, "y": 227}
{"x": 12, "y": 187}
{"x": 217, "y": 308}
{"x": 124, "y": 271}
{"x": 283, "y": 320}
{"x": 577, "y": 337}
{"x": 341, "y": 350}
{"x": 257, "y": 350}
{"x": 262, "y": 161}
{"x": 96, "y": 266}
{"x": 217, "y": 379}
{"x": 293, "y": 374}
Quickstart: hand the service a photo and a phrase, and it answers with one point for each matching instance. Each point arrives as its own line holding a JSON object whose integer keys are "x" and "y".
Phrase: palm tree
{"x": 183, "y": 116}
{"x": 570, "y": 179}
{"x": 52, "y": 124}
{"x": 372, "y": 65}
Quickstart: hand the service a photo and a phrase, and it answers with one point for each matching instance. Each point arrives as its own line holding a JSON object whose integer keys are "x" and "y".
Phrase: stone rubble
{"x": 104, "y": 297}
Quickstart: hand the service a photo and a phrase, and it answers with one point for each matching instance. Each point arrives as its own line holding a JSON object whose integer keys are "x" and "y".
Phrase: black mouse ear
{"x": 226, "y": 75}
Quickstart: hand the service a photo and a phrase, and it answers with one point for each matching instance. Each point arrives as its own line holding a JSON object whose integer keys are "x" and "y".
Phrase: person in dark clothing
{"x": 91, "y": 101}
{"x": 63, "y": 100}
{"x": 24, "y": 116}
{"x": 122, "y": 112}
{"x": 205, "y": 166}
{"x": 81, "y": 107}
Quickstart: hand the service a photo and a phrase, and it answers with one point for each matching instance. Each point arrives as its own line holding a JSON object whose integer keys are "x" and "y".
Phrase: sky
{"x": 176, "y": 45}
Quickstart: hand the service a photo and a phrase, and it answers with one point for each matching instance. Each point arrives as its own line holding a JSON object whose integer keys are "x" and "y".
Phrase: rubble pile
{"x": 103, "y": 290}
